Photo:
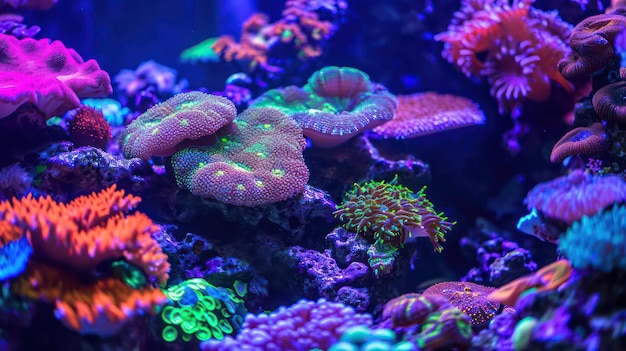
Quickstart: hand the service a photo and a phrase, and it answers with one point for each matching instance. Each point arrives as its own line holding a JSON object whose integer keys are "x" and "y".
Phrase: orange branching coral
{"x": 252, "y": 46}
{"x": 522, "y": 46}
{"x": 547, "y": 278}
{"x": 89, "y": 230}
{"x": 299, "y": 26}
{"x": 101, "y": 307}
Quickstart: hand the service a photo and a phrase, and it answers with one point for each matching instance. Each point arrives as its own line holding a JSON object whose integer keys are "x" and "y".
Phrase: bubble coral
{"x": 592, "y": 42}
{"x": 198, "y": 309}
{"x": 591, "y": 140}
{"x": 569, "y": 198}
{"x": 256, "y": 161}
{"x": 427, "y": 113}
{"x": 516, "y": 47}
{"x": 336, "y": 104}
{"x": 185, "y": 118}
{"x": 88, "y": 127}
{"x": 597, "y": 242}
{"x": 471, "y": 298}
{"x": 47, "y": 75}
{"x": 391, "y": 213}
{"x": 305, "y": 325}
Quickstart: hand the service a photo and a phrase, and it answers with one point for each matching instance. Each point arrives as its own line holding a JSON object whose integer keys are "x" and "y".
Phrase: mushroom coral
{"x": 336, "y": 104}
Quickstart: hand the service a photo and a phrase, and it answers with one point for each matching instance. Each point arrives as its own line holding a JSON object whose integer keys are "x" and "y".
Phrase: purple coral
{"x": 12, "y": 24}
{"x": 322, "y": 275}
{"x": 303, "y": 326}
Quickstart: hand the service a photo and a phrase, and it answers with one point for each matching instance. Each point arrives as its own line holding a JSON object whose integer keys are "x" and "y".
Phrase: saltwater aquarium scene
{"x": 312, "y": 175}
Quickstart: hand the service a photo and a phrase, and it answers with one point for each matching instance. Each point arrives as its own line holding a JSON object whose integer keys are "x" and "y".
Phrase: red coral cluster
{"x": 89, "y": 127}
{"x": 522, "y": 45}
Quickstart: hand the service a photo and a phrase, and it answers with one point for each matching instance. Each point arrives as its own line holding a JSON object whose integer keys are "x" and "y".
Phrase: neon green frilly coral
{"x": 392, "y": 214}
{"x": 202, "y": 311}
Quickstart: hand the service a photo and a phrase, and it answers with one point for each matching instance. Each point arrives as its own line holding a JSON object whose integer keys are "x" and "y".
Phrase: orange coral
{"x": 523, "y": 46}
{"x": 100, "y": 307}
{"x": 547, "y": 278}
{"x": 299, "y": 26}
{"x": 89, "y": 230}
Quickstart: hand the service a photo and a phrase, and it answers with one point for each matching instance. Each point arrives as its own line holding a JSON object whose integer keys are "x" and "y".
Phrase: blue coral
{"x": 597, "y": 242}
{"x": 13, "y": 258}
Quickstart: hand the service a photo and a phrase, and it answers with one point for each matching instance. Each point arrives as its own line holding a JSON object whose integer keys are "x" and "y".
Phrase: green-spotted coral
{"x": 200, "y": 310}
{"x": 392, "y": 214}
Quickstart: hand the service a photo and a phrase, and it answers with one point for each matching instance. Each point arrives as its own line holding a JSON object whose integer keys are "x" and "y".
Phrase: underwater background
{"x": 312, "y": 175}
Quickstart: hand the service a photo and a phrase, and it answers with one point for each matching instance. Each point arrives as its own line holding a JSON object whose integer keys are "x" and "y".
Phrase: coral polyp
{"x": 392, "y": 213}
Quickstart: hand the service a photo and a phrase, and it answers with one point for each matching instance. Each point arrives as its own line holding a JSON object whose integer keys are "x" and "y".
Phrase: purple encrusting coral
{"x": 12, "y": 24}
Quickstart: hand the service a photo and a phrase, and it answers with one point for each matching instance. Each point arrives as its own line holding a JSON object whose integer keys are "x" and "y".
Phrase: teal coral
{"x": 202, "y": 311}
{"x": 597, "y": 242}
{"x": 392, "y": 214}
{"x": 363, "y": 338}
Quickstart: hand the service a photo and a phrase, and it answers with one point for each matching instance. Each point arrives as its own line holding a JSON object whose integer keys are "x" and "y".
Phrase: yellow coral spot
{"x": 186, "y": 105}
{"x": 184, "y": 122}
{"x": 261, "y": 155}
{"x": 278, "y": 172}
{"x": 259, "y": 183}
{"x": 155, "y": 131}
{"x": 219, "y": 173}
{"x": 241, "y": 187}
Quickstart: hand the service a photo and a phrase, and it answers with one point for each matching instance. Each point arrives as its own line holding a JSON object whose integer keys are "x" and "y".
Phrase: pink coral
{"x": 191, "y": 117}
{"x": 427, "y": 113}
{"x": 256, "y": 160}
{"x": 47, "y": 75}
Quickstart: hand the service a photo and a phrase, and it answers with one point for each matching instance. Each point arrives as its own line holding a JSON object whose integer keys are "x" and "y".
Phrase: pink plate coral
{"x": 47, "y": 75}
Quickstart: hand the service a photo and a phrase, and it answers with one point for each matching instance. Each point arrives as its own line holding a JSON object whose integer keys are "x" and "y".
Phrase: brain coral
{"x": 257, "y": 160}
{"x": 188, "y": 116}
{"x": 336, "y": 104}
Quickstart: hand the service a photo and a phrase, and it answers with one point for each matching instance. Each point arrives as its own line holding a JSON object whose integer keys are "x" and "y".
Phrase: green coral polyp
{"x": 392, "y": 214}
{"x": 202, "y": 315}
